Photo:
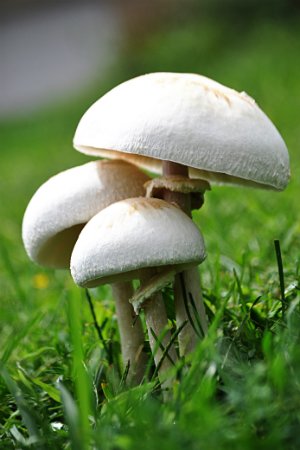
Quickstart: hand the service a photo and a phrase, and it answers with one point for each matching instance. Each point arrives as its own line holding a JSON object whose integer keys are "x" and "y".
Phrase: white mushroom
{"x": 131, "y": 237}
{"x": 186, "y": 124}
{"x": 219, "y": 133}
{"x": 57, "y": 213}
{"x": 61, "y": 207}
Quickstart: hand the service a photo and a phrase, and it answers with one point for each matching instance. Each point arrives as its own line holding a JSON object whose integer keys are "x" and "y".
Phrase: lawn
{"x": 241, "y": 388}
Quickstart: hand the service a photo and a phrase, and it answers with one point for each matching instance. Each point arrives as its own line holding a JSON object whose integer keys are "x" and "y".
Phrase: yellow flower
{"x": 40, "y": 281}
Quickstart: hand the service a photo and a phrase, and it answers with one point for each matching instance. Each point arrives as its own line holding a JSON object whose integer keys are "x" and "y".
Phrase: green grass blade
{"x": 72, "y": 417}
{"x": 186, "y": 305}
{"x": 280, "y": 273}
{"x": 168, "y": 347}
{"x": 159, "y": 344}
{"x": 15, "y": 340}
{"x": 98, "y": 328}
{"x": 81, "y": 380}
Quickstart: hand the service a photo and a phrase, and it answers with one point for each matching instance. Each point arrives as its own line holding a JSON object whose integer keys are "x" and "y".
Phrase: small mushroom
{"x": 186, "y": 125}
{"x": 131, "y": 238}
{"x": 57, "y": 213}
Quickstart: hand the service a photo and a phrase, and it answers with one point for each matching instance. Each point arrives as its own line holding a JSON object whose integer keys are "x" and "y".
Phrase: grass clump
{"x": 238, "y": 388}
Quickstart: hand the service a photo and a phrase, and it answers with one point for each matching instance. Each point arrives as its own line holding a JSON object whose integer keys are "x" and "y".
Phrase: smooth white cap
{"x": 189, "y": 119}
{"x": 132, "y": 235}
{"x": 61, "y": 207}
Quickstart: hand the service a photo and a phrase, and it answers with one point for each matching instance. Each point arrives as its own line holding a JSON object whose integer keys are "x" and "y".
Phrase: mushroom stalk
{"x": 188, "y": 299}
{"x": 131, "y": 332}
{"x": 134, "y": 239}
{"x": 189, "y": 307}
{"x": 157, "y": 323}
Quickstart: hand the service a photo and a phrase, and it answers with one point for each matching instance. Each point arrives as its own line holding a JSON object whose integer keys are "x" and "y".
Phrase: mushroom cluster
{"x": 96, "y": 216}
{"x": 193, "y": 131}
{"x": 115, "y": 224}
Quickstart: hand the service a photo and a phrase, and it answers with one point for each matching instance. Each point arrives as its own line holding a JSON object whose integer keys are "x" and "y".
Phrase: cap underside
{"x": 137, "y": 274}
{"x": 154, "y": 166}
{"x": 56, "y": 252}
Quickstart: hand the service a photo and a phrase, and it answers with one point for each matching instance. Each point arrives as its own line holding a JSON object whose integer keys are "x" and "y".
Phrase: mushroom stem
{"x": 182, "y": 200}
{"x": 189, "y": 307}
{"x": 157, "y": 323}
{"x": 131, "y": 332}
{"x": 187, "y": 289}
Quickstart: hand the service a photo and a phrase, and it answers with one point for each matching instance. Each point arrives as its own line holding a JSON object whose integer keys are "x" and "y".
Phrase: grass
{"x": 242, "y": 385}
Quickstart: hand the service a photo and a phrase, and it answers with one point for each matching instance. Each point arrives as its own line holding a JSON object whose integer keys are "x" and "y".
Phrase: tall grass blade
{"x": 280, "y": 273}
{"x": 196, "y": 315}
{"x": 160, "y": 345}
{"x": 72, "y": 417}
{"x": 125, "y": 375}
{"x": 186, "y": 305}
{"x": 170, "y": 343}
{"x": 98, "y": 328}
{"x": 81, "y": 379}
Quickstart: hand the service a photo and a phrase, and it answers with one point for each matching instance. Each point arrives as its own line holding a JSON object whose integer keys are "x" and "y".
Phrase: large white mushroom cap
{"x": 221, "y": 134}
{"x": 61, "y": 207}
{"x": 132, "y": 235}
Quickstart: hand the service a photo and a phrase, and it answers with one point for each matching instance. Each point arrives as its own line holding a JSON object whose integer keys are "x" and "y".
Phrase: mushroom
{"x": 186, "y": 125}
{"x": 129, "y": 239}
{"x": 57, "y": 213}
